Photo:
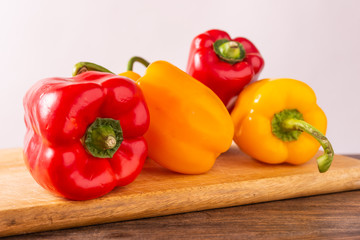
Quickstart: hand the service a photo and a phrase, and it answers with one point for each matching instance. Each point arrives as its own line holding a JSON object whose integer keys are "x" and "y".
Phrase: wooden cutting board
{"x": 235, "y": 179}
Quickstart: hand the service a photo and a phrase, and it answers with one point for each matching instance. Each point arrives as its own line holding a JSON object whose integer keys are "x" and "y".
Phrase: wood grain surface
{"x": 324, "y": 217}
{"x": 235, "y": 180}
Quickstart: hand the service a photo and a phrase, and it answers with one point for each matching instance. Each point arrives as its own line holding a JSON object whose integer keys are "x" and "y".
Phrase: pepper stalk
{"x": 103, "y": 137}
{"x": 288, "y": 124}
{"x": 229, "y": 51}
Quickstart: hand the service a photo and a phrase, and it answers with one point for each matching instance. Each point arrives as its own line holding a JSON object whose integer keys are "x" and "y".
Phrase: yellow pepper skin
{"x": 130, "y": 74}
{"x": 259, "y": 107}
{"x": 190, "y": 126}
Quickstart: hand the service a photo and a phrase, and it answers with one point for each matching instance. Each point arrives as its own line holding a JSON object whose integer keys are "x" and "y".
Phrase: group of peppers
{"x": 92, "y": 132}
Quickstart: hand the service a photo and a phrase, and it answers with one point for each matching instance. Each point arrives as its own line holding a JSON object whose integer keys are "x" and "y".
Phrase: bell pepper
{"x": 189, "y": 126}
{"x": 85, "y": 134}
{"x": 223, "y": 64}
{"x": 278, "y": 120}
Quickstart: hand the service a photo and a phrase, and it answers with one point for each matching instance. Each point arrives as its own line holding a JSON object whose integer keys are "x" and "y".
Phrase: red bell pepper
{"x": 85, "y": 134}
{"x": 223, "y": 64}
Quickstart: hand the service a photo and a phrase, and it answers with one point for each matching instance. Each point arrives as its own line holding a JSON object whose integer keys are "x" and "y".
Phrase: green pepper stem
{"x": 103, "y": 137}
{"x": 81, "y": 67}
{"x": 229, "y": 51}
{"x": 132, "y": 60}
{"x": 325, "y": 160}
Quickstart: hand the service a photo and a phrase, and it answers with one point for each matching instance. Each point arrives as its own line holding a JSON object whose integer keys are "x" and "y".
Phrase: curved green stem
{"x": 81, "y": 67}
{"x": 132, "y": 60}
{"x": 325, "y": 160}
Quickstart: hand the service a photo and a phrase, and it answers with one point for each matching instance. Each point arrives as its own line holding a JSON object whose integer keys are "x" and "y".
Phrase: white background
{"x": 315, "y": 41}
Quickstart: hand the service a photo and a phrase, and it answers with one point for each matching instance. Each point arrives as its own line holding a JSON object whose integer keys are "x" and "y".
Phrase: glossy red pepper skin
{"x": 57, "y": 114}
{"x": 225, "y": 79}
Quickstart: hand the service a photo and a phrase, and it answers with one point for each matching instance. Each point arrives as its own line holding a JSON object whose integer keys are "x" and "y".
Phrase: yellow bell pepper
{"x": 189, "y": 125}
{"x": 270, "y": 117}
